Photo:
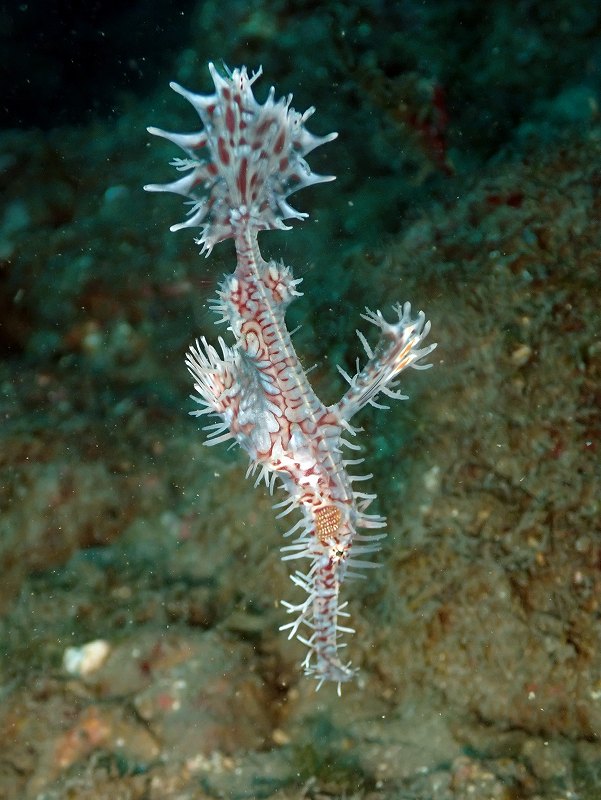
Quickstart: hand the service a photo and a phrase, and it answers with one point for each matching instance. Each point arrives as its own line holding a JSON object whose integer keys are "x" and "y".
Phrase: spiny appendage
{"x": 327, "y": 537}
{"x": 215, "y": 380}
{"x": 245, "y": 163}
{"x": 239, "y": 297}
{"x": 397, "y": 349}
{"x": 233, "y": 390}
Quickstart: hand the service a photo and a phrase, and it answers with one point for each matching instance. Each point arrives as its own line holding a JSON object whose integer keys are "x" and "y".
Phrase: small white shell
{"x": 86, "y": 659}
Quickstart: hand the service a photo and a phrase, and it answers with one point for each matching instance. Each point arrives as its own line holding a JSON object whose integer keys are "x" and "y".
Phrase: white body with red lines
{"x": 240, "y": 169}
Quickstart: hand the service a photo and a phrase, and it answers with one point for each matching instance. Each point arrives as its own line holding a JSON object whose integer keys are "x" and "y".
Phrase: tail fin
{"x": 245, "y": 163}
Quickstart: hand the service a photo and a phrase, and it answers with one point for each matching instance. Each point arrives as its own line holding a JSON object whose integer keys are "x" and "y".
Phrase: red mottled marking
{"x": 264, "y": 127}
{"x": 279, "y": 142}
{"x": 230, "y": 120}
{"x": 241, "y": 180}
{"x": 279, "y": 290}
{"x": 224, "y": 155}
{"x": 401, "y": 360}
{"x": 225, "y": 93}
{"x": 212, "y": 169}
{"x": 283, "y": 164}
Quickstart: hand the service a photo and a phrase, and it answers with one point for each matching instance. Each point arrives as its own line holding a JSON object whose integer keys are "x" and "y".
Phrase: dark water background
{"x": 468, "y": 182}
